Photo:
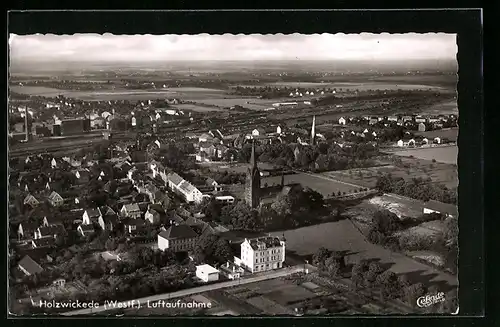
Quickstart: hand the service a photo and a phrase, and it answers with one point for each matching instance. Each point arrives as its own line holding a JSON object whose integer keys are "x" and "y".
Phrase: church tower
{"x": 313, "y": 131}
{"x": 252, "y": 185}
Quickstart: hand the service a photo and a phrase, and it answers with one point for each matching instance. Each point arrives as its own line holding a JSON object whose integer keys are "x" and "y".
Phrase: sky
{"x": 109, "y": 47}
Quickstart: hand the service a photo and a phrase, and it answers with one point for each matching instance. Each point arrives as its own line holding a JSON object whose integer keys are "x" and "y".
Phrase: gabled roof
{"x": 93, "y": 213}
{"x": 30, "y": 265}
{"x": 441, "y": 207}
{"x": 175, "y": 178}
{"x": 267, "y": 242}
{"x": 29, "y": 226}
{"x": 30, "y": 198}
{"x": 107, "y": 211}
{"x": 54, "y": 219}
{"x": 44, "y": 242}
{"x": 132, "y": 207}
{"x": 51, "y": 230}
{"x": 187, "y": 187}
{"x": 54, "y": 196}
{"x": 178, "y": 232}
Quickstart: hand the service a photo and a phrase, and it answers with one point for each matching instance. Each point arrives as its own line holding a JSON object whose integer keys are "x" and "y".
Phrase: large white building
{"x": 183, "y": 188}
{"x": 263, "y": 253}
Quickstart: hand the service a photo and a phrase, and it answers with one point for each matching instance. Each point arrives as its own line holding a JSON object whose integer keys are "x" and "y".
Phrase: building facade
{"x": 263, "y": 254}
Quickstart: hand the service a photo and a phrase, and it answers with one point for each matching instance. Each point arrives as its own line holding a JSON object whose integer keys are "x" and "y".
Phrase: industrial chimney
{"x": 26, "y": 127}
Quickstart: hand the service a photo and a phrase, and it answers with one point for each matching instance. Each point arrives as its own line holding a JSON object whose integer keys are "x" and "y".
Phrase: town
{"x": 255, "y": 197}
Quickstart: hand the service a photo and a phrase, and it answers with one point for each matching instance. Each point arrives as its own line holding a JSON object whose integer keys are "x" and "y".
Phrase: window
{"x": 256, "y": 260}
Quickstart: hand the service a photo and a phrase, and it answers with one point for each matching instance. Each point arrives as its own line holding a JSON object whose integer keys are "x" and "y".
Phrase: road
{"x": 182, "y": 293}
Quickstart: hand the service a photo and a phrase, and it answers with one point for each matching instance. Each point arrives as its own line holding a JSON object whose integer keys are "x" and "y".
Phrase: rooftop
{"x": 207, "y": 269}
{"x": 178, "y": 232}
{"x": 442, "y": 207}
{"x": 30, "y": 265}
{"x": 266, "y": 242}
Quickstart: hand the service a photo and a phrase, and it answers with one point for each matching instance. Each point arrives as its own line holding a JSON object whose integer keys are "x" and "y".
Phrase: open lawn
{"x": 444, "y": 154}
{"x": 442, "y": 173}
{"x": 319, "y": 183}
{"x": 344, "y": 236}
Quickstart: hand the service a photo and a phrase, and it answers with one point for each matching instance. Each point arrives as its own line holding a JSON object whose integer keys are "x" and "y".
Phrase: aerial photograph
{"x": 232, "y": 175}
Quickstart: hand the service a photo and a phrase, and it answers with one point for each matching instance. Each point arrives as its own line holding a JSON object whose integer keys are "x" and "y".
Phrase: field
{"x": 369, "y": 85}
{"x": 448, "y": 133}
{"x": 319, "y": 183}
{"x": 445, "y": 108}
{"x": 198, "y": 108}
{"x": 443, "y": 154}
{"x": 442, "y": 173}
{"x": 344, "y": 236}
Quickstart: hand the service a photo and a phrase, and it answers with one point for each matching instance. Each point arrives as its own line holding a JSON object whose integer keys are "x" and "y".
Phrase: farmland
{"x": 447, "y": 133}
{"x": 373, "y": 85}
{"x": 442, "y": 173}
{"x": 319, "y": 183}
{"x": 344, "y": 236}
{"x": 446, "y": 154}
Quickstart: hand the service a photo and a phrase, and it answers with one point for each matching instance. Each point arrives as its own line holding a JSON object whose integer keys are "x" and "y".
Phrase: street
{"x": 167, "y": 296}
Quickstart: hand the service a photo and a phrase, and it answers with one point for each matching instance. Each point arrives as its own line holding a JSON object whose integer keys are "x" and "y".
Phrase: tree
{"x": 320, "y": 256}
{"x": 332, "y": 266}
{"x": 222, "y": 251}
{"x": 413, "y": 292}
{"x": 282, "y": 205}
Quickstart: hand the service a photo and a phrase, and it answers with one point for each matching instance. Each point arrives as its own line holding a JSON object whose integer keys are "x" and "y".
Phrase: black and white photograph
{"x": 233, "y": 175}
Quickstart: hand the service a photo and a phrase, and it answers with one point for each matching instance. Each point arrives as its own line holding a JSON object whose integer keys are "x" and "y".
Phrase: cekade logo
{"x": 428, "y": 300}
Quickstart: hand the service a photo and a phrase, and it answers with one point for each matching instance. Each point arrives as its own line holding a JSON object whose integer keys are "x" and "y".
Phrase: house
{"x": 207, "y": 273}
{"x": 185, "y": 189}
{"x": 50, "y": 231}
{"x": 425, "y": 141}
{"x": 373, "y": 120}
{"x": 86, "y": 229}
{"x": 133, "y": 226}
{"x": 411, "y": 143}
{"x": 437, "y": 140}
{"x": 258, "y": 132}
{"x": 179, "y": 238}
{"x": 82, "y": 175}
{"x": 91, "y": 216}
{"x": 231, "y": 271}
{"x": 108, "y": 219}
{"x": 52, "y": 221}
{"x": 205, "y": 137}
{"x": 154, "y": 214}
{"x": 154, "y": 194}
{"x": 421, "y": 127}
{"x": 29, "y": 266}
{"x": 31, "y": 201}
{"x": 45, "y": 242}
{"x": 131, "y": 210}
{"x": 449, "y": 210}
{"x": 263, "y": 253}
{"x": 27, "y": 230}
{"x": 55, "y": 199}
{"x": 212, "y": 182}
{"x": 342, "y": 121}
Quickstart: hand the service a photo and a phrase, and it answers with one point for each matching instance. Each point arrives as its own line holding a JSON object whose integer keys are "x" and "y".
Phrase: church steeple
{"x": 313, "y": 131}
{"x": 253, "y": 158}
{"x": 252, "y": 185}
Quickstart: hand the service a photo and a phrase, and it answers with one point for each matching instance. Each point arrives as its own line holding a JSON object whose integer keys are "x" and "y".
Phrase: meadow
{"x": 442, "y": 173}
{"x": 444, "y": 154}
{"x": 448, "y": 133}
{"x": 344, "y": 236}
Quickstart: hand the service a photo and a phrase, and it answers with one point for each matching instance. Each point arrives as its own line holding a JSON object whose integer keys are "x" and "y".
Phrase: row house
{"x": 183, "y": 188}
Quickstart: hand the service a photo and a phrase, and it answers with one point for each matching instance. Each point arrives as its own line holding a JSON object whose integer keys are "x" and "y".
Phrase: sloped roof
{"x": 54, "y": 196}
{"x": 187, "y": 187}
{"x": 30, "y": 265}
{"x": 175, "y": 178}
{"x": 268, "y": 242}
{"x": 52, "y": 230}
{"x": 441, "y": 207}
{"x": 87, "y": 228}
{"x": 132, "y": 207}
{"x": 44, "y": 242}
{"x": 178, "y": 232}
{"x": 93, "y": 213}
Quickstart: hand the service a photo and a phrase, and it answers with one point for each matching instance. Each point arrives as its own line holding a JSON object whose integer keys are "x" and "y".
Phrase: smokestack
{"x": 26, "y": 128}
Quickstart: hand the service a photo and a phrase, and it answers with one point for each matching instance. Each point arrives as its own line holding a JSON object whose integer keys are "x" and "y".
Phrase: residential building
{"x": 86, "y": 230}
{"x": 342, "y": 121}
{"x": 207, "y": 273}
{"x": 178, "y": 238}
{"x": 258, "y": 132}
{"x": 50, "y": 231}
{"x": 29, "y": 266}
{"x": 133, "y": 226}
{"x": 108, "y": 219}
{"x": 31, "y": 201}
{"x": 184, "y": 189}
{"x": 44, "y": 242}
{"x": 263, "y": 253}
{"x": 231, "y": 271}
{"x": 91, "y": 216}
{"x": 52, "y": 221}
{"x": 449, "y": 210}
{"x": 55, "y": 199}
{"x": 82, "y": 175}
{"x": 225, "y": 199}
{"x": 131, "y": 210}
{"x": 154, "y": 214}
{"x": 27, "y": 230}
{"x": 421, "y": 127}
{"x": 212, "y": 182}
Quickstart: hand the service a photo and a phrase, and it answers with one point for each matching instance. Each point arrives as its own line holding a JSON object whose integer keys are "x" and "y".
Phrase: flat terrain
{"x": 446, "y": 154}
{"x": 444, "y": 108}
{"x": 319, "y": 183}
{"x": 344, "y": 236}
{"x": 442, "y": 173}
{"x": 448, "y": 133}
